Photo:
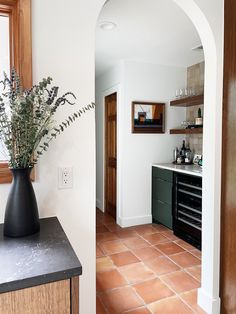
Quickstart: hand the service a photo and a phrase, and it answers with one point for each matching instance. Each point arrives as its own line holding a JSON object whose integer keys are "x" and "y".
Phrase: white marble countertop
{"x": 188, "y": 169}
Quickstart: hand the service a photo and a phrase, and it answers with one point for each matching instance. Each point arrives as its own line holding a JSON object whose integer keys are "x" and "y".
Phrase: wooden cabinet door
{"x": 51, "y": 298}
{"x": 110, "y": 152}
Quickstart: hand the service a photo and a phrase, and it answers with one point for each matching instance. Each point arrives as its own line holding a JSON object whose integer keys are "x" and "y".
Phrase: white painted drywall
{"x": 63, "y": 46}
{"x": 143, "y": 82}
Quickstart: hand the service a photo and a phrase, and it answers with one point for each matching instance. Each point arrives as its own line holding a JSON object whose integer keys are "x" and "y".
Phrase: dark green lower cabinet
{"x": 162, "y": 186}
{"x": 162, "y": 213}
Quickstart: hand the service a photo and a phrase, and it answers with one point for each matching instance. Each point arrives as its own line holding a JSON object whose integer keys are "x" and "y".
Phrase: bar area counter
{"x": 39, "y": 273}
{"x": 193, "y": 170}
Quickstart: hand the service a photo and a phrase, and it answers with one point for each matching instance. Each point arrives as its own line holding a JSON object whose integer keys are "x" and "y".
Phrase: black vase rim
{"x": 26, "y": 168}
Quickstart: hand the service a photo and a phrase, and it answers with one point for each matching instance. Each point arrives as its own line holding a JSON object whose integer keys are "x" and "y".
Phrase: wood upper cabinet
{"x": 60, "y": 297}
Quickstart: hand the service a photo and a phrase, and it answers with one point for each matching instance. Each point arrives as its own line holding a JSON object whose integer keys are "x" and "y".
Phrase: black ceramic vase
{"x": 21, "y": 215}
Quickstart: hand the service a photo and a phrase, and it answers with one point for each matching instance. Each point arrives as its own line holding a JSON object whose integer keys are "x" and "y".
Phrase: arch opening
{"x": 208, "y": 294}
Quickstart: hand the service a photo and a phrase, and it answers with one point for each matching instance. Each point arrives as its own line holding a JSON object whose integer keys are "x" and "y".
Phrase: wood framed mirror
{"x": 148, "y": 117}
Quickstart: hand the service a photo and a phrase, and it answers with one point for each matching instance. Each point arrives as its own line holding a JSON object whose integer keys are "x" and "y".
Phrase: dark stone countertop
{"x": 37, "y": 259}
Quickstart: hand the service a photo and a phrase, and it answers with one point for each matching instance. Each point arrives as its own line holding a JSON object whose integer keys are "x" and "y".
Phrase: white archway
{"x": 208, "y": 294}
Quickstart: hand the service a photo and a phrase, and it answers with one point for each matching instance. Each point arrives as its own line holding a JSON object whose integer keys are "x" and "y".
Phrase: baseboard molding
{"x": 207, "y": 303}
{"x": 99, "y": 205}
{"x": 134, "y": 221}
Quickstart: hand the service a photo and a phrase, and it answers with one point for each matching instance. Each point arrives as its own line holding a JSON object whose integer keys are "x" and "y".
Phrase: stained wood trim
{"x": 187, "y": 131}
{"x": 188, "y": 101}
{"x": 228, "y": 186}
{"x": 74, "y": 295}
{"x": 19, "y": 12}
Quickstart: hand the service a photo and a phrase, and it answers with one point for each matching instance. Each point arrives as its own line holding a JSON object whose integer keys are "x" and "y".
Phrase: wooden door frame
{"x": 106, "y": 193}
{"x": 115, "y": 89}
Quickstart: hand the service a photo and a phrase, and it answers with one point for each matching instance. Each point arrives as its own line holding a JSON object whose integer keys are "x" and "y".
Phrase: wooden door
{"x": 110, "y": 154}
{"x": 228, "y": 205}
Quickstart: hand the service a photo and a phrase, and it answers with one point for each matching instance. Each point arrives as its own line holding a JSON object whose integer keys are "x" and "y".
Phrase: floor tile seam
{"x": 178, "y": 264}
{"x": 179, "y": 295}
{"x": 191, "y": 275}
{"x": 167, "y": 274}
{"x": 164, "y": 298}
{"x": 159, "y": 301}
{"x": 156, "y": 243}
{"x": 104, "y": 306}
{"x": 130, "y": 283}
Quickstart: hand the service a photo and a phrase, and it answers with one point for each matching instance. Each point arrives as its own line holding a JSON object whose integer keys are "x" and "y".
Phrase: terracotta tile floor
{"x": 145, "y": 269}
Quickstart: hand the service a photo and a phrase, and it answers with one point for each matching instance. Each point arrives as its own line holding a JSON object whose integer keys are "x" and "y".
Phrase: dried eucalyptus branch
{"x": 27, "y": 124}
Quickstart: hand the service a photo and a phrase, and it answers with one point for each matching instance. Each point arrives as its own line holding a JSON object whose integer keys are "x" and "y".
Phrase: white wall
{"x": 144, "y": 82}
{"x": 147, "y": 82}
{"x": 64, "y": 50}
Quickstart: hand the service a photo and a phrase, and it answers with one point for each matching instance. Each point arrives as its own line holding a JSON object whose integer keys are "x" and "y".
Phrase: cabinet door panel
{"x": 162, "y": 212}
{"x": 162, "y": 190}
{"x": 51, "y": 298}
{"x": 163, "y": 174}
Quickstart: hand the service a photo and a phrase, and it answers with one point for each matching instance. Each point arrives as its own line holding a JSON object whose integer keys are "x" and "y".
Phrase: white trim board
{"x": 135, "y": 221}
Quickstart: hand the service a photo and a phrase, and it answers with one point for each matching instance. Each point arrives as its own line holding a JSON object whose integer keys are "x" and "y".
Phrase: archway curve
{"x": 208, "y": 294}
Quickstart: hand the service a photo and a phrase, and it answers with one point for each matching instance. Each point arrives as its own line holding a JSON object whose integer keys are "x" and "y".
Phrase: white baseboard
{"x": 207, "y": 303}
{"x": 134, "y": 221}
{"x": 99, "y": 205}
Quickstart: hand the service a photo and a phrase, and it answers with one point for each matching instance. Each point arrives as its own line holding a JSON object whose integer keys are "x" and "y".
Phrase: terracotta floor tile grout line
{"x": 152, "y": 236}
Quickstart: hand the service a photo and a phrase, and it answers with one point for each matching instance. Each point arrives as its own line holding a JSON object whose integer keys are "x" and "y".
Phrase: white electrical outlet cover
{"x": 65, "y": 177}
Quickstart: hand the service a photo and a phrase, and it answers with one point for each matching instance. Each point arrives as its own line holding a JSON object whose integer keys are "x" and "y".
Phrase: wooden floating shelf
{"x": 188, "y": 101}
{"x": 187, "y": 131}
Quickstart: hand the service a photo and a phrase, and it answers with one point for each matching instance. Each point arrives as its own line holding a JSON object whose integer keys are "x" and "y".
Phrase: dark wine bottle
{"x": 183, "y": 149}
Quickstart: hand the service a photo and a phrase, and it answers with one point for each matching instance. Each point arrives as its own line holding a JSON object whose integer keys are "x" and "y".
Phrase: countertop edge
{"x": 61, "y": 272}
{"x": 177, "y": 170}
{"x": 40, "y": 280}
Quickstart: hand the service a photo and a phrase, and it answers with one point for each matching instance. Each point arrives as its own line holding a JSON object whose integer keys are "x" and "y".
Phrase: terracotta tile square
{"x": 185, "y": 260}
{"x": 112, "y": 247}
{"x": 169, "y": 248}
{"x": 155, "y": 238}
{"x": 180, "y": 281}
{"x": 107, "y": 219}
{"x": 123, "y": 234}
{"x": 195, "y": 272}
{"x": 136, "y": 272}
{"x": 196, "y": 253}
{"x": 113, "y": 227}
{"x": 185, "y": 245}
{"x": 99, "y": 252}
{"x": 170, "y": 235}
{"x": 190, "y": 298}
{"x": 121, "y": 300}
{"x": 135, "y": 243}
{"x": 162, "y": 265}
{"x": 141, "y": 310}
{"x": 147, "y": 253}
{"x": 153, "y": 290}
{"x": 144, "y": 229}
{"x": 101, "y": 229}
{"x": 109, "y": 280}
{"x": 124, "y": 258}
{"x": 106, "y": 236}
{"x": 104, "y": 264}
{"x": 171, "y": 305}
{"x": 99, "y": 307}
{"x": 160, "y": 228}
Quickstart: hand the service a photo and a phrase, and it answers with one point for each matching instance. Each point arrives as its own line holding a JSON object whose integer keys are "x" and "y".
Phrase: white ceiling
{"x": 155, "y": 31}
